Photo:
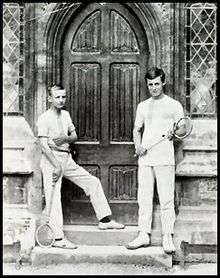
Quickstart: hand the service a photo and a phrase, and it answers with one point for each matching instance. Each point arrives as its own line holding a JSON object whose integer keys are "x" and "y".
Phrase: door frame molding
{"x": 57, "y": 23}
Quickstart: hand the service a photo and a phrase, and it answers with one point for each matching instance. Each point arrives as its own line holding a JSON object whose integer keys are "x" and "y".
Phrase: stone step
{"x": 207, "y": 209}
{"x": 185, "y": 210}
{"x": 74, "y": 215}
{"x": 152, "y": 256}
{"x": 187, "y": 219}
{"x": 199, "y": 219}
{"x": 90, "y": 235}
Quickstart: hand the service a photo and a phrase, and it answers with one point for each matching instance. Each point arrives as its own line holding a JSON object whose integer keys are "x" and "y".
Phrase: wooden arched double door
{"x": 105, "y": 54}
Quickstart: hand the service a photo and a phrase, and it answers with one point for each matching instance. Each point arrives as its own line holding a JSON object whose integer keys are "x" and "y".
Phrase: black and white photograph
{"x": 109, "y": 138}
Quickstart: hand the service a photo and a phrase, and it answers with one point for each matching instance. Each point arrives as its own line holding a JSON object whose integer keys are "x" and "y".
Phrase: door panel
{"x": 88, "y": 36}
{"x": 85, "y": 102}
{"x": 124, "y": 96}
{"x": 105, "y": 53}
{"x": 122, "y": 36}
{"x": 122, "y": 182}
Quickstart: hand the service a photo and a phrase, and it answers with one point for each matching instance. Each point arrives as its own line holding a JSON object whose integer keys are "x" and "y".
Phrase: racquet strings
{"x": 183, "y": 127}
{"x": 45, "y": 235}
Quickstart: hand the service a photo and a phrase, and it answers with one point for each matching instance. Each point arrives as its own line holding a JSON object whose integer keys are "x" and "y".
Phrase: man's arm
{"x": 51, "y": 157}
{"x": 179, "y": 113}
{"x": 62, "y": 139}
{"x": 139, "y": 150}
{"x": 72, "y": 137}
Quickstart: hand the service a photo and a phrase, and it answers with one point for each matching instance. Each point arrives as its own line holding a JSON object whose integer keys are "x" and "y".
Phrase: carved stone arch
{"x": 150, "y": 21}
{"x": 58, "y": 21}
{"x": 54, "y": 31}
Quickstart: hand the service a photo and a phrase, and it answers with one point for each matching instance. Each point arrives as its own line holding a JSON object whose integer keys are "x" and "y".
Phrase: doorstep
{"x": 152, "y": 256}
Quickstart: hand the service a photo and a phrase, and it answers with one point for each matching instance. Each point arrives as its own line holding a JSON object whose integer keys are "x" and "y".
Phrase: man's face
{"x": 58, "y": 98}
{"x": 155, "y": 86}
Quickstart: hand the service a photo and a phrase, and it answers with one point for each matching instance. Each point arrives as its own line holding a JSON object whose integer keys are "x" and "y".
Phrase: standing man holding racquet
{"x": 155, "y": 118}
{"x": 56, "y": 131}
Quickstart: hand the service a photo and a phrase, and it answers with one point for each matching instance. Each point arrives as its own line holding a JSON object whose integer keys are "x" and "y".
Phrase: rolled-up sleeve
{"x": 71, "y": 126}
{"x": 42, "y": 129}
{"x": 139, "y": 120}
{"x": 179, "y": 113}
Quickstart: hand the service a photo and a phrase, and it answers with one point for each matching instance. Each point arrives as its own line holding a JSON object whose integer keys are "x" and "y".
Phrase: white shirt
{"x": 157, "y": 116}
{"x": 51, "y": 125}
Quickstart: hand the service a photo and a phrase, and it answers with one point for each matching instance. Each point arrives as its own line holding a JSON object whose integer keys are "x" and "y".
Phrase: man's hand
{"x": 56, "y": 174}
{"x": 44, "y": 218}
{"x": 170, "y": 135}
{"x": 60, "y": 139}
{"x": 140, "y": 150}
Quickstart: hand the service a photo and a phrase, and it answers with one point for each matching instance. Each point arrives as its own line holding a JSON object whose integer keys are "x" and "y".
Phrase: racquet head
{"x": 45, "y": 236}
{"x": 183, "y": 128}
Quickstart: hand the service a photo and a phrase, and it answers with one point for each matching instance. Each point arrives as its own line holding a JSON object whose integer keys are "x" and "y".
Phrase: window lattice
{"x": 201, "y": 59}
{"x": 13, "y": 58}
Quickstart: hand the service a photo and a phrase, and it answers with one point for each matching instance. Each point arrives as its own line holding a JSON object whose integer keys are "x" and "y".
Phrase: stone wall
{"x": 22, "y": 184}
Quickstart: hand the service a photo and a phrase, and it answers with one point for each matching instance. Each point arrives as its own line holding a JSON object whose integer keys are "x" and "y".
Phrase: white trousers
{"x": 75, "y": 173}
{"x": 165, "y": 180}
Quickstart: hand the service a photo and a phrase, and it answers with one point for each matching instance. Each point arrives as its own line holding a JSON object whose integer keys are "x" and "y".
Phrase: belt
{"x": 64, "y": 151}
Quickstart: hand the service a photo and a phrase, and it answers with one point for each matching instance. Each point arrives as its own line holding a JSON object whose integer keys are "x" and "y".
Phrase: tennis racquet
{"x": 181, "y": 130}
{"x": 44, "y": 235}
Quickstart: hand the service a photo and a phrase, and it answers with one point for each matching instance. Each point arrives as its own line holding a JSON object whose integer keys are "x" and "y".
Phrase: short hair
{"x": 54, "y": 88}
{"x": 154, "y": 72}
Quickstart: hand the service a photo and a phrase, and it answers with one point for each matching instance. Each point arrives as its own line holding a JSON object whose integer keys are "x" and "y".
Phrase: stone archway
{"x": 102, "y": 69}
{"x": 57, "y": 23}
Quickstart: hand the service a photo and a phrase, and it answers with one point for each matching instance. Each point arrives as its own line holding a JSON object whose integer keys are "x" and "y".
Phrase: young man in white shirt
{"x": 54, "y": 125}
{"x": 156, "y": 116}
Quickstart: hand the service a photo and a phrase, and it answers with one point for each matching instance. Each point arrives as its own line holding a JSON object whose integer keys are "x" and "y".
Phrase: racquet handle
{"x": 164, "y": 137}
{"x": 51, "y": 199}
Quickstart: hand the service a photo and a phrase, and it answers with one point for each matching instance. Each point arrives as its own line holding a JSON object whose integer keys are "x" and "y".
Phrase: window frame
{"x": 187, "y": 62}
{"x": 20, "y": 98}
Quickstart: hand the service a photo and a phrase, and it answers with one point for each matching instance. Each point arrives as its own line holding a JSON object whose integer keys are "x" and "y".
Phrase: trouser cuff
{"x": 144, "y": 231}
{"x": 167, "y": 232}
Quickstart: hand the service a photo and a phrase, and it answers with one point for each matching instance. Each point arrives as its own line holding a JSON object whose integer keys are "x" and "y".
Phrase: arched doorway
{"x": 104, "y": 57}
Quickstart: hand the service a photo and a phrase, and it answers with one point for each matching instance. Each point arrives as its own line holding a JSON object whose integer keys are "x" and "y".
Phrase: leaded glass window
{"x": 201, "y": 49}
{"x": 13, "y": 58}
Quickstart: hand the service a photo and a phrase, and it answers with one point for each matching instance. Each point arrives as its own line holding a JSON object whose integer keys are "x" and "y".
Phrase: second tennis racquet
{"x": 181, "y": 130}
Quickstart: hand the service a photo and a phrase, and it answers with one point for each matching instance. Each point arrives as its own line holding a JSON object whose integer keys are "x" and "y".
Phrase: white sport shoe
{"x": 64, "y": 243}
{"x": 110, "y": 225}
{"x": 168, "y": 245}
{"x": 142, "y": 240}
